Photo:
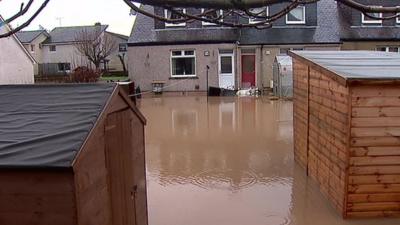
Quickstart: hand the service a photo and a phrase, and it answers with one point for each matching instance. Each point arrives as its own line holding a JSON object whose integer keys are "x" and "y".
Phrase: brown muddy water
{"x": 229, "y": 161}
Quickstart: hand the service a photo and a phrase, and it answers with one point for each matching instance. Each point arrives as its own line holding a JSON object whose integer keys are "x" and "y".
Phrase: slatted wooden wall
{"x": 37, "y": 197}
{"x": 321, "y": 130}
{"x": 328, "y": 136}
{"x": 374, "y": 173}
{"x": 300, "y": 112}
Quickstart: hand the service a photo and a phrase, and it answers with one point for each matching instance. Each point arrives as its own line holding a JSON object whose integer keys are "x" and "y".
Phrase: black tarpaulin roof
{"x": 45, "y": 125}
{"x": 356, "y": 65}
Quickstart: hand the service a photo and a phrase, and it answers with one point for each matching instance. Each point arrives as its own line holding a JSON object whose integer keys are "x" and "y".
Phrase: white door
{"x": 226, "y": 71}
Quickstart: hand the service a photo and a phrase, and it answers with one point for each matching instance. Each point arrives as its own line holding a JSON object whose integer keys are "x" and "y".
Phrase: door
{"x": 248, "y": 71}
{"x": 119, "y": 155}
{"x": 226, "y": 71}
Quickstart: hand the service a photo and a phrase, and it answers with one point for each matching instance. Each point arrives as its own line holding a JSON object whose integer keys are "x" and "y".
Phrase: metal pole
{"x": 207, "y": 81}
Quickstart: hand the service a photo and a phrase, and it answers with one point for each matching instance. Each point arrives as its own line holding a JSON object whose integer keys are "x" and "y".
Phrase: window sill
{"x": 184, "y": 77}
{"x": 295, "y": 23}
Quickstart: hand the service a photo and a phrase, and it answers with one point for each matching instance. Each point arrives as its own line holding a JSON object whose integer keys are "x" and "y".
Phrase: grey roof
{"x": 29, "y": 36}
{"x": 327, "y": 30}
{"x": 371, "y": 34}
{"x": 356, "y": 65}
{"x": 121, "y": 36}
{"x": 68, "y": 34}
{"x": 334, "y": 24}
{"x": 349, "y": 31}
{"x": 44, "y": 126}
{"x": 144, "y": 33}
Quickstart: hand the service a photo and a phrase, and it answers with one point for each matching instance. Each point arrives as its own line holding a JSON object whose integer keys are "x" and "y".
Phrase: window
{"x": 52, "y": 48}
{"x": 64, "y": 67}
{"x": 212, "y": 15}
{"x": 183, "y": 63}
{"x": 388, "y": 49}
{"x": 32, "y": 48}
{"x": 171, "y": 15}
{"x": 122, "y": 47}
{"x": 263, "y": 12}
{"x": 397, "y": 18}
{"x": 296, "y": 16}
{"x": 368, "y": 20}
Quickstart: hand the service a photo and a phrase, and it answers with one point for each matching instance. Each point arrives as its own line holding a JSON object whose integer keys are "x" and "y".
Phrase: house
{"x": 57, "y": 54}
{"x": 364, "y": 33}
{"x": 65, "y": 160}
{"x": 179, "y": 54}
{"x": 120, "y": 54}
{"x": 32, "y": 41}
{"x": 60, "y": 55}
{"x": 237, "y": 58}
{"x": 16, "y": 64}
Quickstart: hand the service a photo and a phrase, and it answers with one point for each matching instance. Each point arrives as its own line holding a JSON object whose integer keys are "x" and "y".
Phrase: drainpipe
{"x": 262, "y": 66}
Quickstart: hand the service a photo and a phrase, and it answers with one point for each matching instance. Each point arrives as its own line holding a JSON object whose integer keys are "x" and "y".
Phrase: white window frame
{"x": 297, "y": 22}
{"x": 183, "y": 56}
{"x": 252, "y": 20}
{"x": 387, "y": 48}
{"x": 204, "y": 23}
{"x": 173, "y": 24}
{"x": 371, "y": 21}
{"x": 397, "y": 18}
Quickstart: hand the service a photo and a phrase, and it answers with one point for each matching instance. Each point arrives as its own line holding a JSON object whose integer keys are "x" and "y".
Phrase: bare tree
{"x": 238, "y": 7}
{"x": 122, "y": 60}
{"x": 95, "y": 45}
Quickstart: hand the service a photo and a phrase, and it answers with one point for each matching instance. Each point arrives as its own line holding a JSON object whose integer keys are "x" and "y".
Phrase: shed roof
{"x": 44, "y": 126}
{"x": 355, "y": 65}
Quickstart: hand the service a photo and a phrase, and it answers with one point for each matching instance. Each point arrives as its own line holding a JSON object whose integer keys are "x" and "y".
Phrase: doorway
{"x": 248, "y": 71}
{"x": 226, "y": 70}
{"x": 119, "y": 155}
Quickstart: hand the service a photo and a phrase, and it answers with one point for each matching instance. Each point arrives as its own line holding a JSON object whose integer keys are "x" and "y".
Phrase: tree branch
{"x": 21, "y": 12}
{"x": 15, "y": 30}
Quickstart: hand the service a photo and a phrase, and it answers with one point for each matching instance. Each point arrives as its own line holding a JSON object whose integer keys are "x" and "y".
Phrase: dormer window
{"x": 258, "y": 12}
{"x": 215, "y": 14}
{"x": 174, "y": 16}
{"x": 296, "y": 15}
{"x": 368, "y": 20}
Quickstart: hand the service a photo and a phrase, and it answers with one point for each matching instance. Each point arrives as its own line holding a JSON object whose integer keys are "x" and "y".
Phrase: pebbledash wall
{"x": 16, "y": 66}
{"x": 65, "y": 53}
{"x": 154, "y": 63}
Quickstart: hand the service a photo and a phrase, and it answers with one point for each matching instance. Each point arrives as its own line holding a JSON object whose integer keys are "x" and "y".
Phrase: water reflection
{"x": 228, "y": 161}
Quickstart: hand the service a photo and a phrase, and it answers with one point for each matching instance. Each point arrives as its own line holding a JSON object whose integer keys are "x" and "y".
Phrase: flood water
{"x": 229, "y": 161}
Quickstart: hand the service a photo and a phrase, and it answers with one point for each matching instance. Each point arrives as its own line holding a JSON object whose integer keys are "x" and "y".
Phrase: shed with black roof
{"x": 347, "y": 128}
{"x": 71, "y": 154}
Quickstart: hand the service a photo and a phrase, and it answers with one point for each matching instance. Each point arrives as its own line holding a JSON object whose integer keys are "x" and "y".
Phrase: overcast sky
{"x": 115, "y": 13}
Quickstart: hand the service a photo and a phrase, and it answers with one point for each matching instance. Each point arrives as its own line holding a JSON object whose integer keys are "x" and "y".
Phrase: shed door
{"x": 119, "y": 156}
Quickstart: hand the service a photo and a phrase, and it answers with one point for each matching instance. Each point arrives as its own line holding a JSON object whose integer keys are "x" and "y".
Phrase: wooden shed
{"x": 71, "y": 155}
{"x": 347, "y": 128}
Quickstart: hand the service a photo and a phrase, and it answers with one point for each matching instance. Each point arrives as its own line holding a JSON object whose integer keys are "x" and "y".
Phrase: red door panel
{"x": 248, "y": 71}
